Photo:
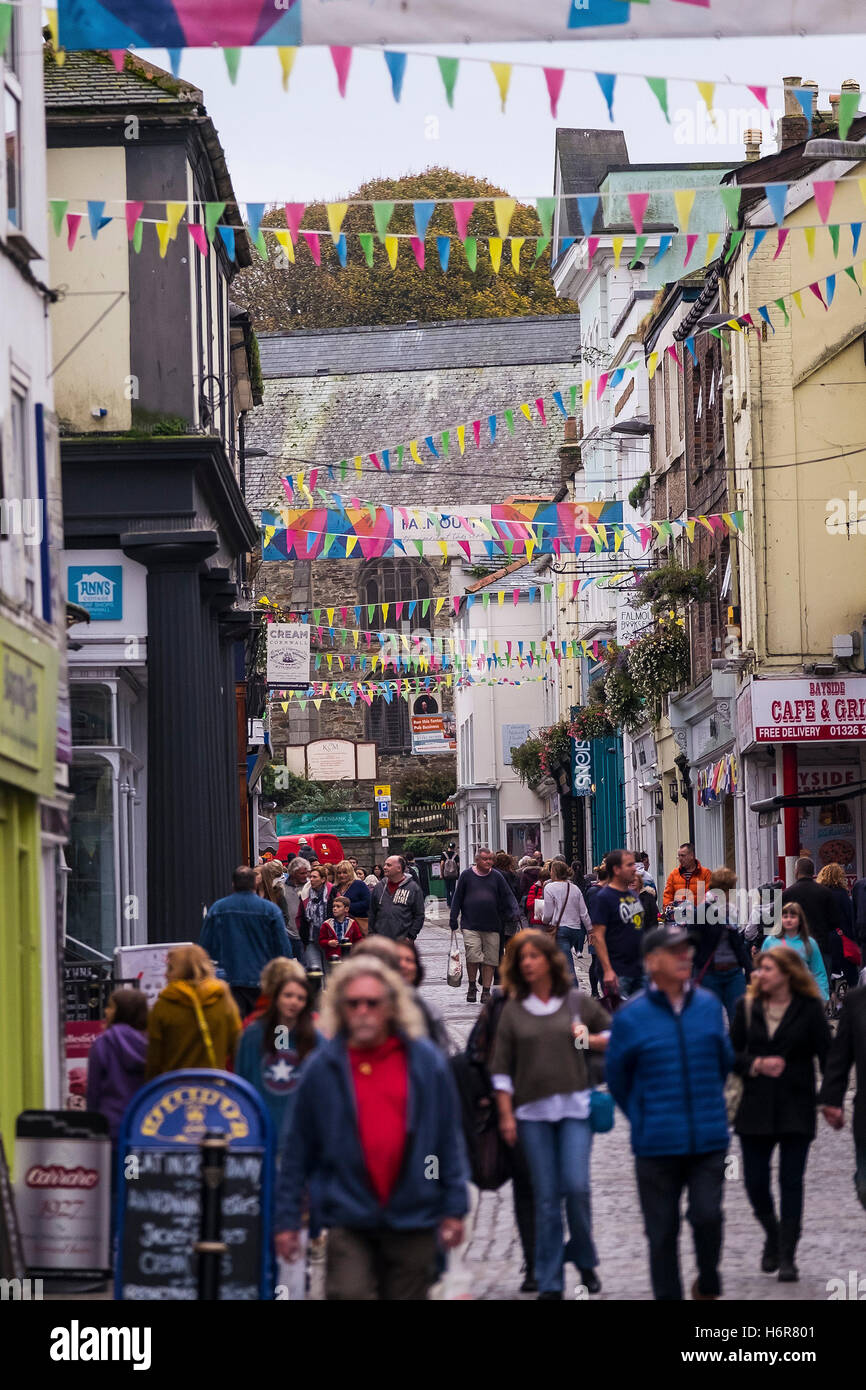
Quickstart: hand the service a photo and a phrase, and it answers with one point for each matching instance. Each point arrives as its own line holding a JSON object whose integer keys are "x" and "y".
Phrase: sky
{"x": 308, "y": 143}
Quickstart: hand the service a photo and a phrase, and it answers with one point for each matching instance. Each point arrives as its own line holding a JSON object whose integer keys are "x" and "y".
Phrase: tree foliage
{"x": 281, "y": 295}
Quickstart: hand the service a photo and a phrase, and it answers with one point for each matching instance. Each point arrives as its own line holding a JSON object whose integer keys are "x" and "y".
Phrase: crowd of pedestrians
{"x": 699, "y": 1023}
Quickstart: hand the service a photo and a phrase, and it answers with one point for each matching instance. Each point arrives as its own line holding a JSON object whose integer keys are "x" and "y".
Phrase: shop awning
{"x": 778, "y": 803}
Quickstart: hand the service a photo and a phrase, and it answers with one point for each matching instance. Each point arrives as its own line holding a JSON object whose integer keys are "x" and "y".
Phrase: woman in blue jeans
{"x": 565, "y": 913}
{"x": 723, "y": 961}
{"x": 547, "y": 1036}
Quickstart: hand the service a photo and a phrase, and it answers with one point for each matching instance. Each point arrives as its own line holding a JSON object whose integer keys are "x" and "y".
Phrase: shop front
{"x": 702, "y": 724}
{"x": 28, "y": 702}
{"x": 804, "y": 739}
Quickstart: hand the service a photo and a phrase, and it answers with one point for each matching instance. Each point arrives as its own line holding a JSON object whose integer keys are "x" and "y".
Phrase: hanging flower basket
{"x": 526, "y": 761}
{"x": 591, "y": 721}
{"x": 658, "y": 664}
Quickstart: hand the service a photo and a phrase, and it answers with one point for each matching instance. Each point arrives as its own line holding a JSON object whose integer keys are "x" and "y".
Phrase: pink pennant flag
{"x": 691, "y": 243}
{"x": 375, "y": 459}
{"x": 817, "y": 293}
{"x": 554, "y": 77}
{"x": 312, "y": 240}
{"x": 780, "y": 242}
{"x": 592, "y": 244}
{"x": 286, "y": 482}
{"x": 476, "y": 432}
{"x": 342, "y": 62}
{"x": 602, "y": 383}
{"x": 557, "y": 546}
{"x": 118, "y": 58}
{"x": 761, "y": 94}
{"x": 464, "y": 546}
{"x": 824, "y": 190}
{"x": 638, "y": 205}
{"x": 463, "y": 209}
{"x": 646, "y": 535}
{"x": 343, "y": 617}
{"x": 456, "y": 602}
{"x": 73, "y": 222}
{"x": 314, "y": 477}
{"x": 133, "y": 212}
{"x": 747, "y": 318}
{"x": 672, "y": 352}
{"x": 294, "y": 213}
{"x": 418, "y": 248}
{"x": 398, "y": 610}
{"x": 539, "y": 406}
{"x": 575, "y": 585}
{"x": 515, "y": 595}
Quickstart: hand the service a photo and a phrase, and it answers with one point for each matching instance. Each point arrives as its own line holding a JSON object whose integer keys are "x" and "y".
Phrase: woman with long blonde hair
{"x": 779, "y": 1030}
{"x": 195, "y": 1021}
{"x": 356, "y": 890}
{"x": 832, "y": 877}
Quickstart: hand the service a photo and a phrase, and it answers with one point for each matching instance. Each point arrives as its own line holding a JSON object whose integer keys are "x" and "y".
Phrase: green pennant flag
{"x": 448, "y": 68}
{"x": 329, "y": 541}
{"x": 425, "y": 607}
{"x": 419, "y": 546}
{"x": 731, "y": 203}
{"x": 261, "y": 245}
{"x": 850, "y": 271}
{"x": 736, "y": 238}
{"x": 834, "y": 237}
{"x": 545, "y": 208}
{"x": 212, "y": 214}
{"x": 485, "y": 598}
{"x": 382, "y": 214}
{"x": 509, "y": 548}
{"x": 446, "y": 441}
{"x": 400, "y": 448}
{"x": 848, "y": 104}
{"x": 509, "y": 420}
{"x": 470, "y": 246}
{"x": 5, "y": 26}
{"x": 366, "y": 240}
{"x": 233, "y": 62}
{"x": 371, "y": 608}
{"x": 548, "y": 592}
{"x": 543, "y": 243}
{"x": 640, "y": 243}
{"x": 317, "y": 613}
{"x": 781, "y": 305}
{"x": 302, "y": 703}
{"x": 371, "y": 512}
{"x": 58, "y": 205}
{"x": 137, "y": 235}
{"x": 659, "y": 87}
{"x": 344, "y": 464}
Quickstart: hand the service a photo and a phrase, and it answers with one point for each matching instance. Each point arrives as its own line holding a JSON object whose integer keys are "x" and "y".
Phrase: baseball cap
{"x": 669, "y": 935}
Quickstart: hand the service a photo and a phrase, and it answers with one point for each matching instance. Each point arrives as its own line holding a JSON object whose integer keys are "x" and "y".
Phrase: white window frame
{"x": 11, "y": 87}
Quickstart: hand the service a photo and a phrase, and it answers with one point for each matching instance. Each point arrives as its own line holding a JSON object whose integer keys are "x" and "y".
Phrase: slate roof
{"x": 90, "y": 80}
{"x": 420, "y": 347}
{"x": 585, "y": 157}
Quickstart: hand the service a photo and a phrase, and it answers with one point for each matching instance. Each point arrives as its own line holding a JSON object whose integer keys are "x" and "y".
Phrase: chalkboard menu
{"x": 162, "y": 1225}
{"x": 160, "y": 1183}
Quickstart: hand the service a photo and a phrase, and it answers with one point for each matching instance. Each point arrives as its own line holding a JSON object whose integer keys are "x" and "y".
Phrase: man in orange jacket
{"x": 686, "y": 880}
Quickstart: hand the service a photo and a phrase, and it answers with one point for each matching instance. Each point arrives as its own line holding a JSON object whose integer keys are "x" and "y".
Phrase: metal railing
{"x": 426, "y": 818}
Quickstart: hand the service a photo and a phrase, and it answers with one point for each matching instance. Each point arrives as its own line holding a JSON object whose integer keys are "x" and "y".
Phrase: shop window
{"x": 11, "y": 95}
{"x": 91, "y": 915}
{"x": 91, "y": 715}
{"x": 393, "y": 582}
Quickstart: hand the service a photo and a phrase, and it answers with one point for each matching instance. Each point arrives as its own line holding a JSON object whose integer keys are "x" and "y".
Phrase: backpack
{"x": 450, "y": 868}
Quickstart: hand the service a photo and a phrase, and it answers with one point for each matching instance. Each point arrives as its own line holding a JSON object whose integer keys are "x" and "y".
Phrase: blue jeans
{"x": 727, "y": 985}
{"x": 558, "y": 1158}
{"x": 570, "y": 939}
{"x": 628, "y": 985}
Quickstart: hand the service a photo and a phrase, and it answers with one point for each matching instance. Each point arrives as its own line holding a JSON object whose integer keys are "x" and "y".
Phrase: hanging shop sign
{"x": 178, "y": 24}
{"x": 63, "y": 1191}
{"x": 808, "y": 711}
{"x": 28, "y": 701}
{"x": 289, "y": 655}
{"x": 330, "y": 759}
{"x": 159, "y": 1196}
{"x": 434, "y": 733}
{"x": 581, "y": 767}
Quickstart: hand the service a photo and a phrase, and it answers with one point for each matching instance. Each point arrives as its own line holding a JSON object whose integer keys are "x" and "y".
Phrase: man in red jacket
{"x": 689, "y": 880}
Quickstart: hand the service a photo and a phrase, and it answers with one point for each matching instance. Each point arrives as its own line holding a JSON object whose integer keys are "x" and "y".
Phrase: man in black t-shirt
{"x": 617, "y": 923}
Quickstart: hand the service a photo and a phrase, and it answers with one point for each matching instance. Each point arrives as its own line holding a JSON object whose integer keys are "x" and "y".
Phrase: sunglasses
{"x": 366, "y": 1003}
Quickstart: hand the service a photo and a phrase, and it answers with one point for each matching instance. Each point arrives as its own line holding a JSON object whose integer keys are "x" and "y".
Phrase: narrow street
{"x": 834, "y": 1229}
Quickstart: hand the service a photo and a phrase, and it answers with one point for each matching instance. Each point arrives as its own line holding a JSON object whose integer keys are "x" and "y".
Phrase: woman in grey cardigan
{"x": 542, "y": 1062}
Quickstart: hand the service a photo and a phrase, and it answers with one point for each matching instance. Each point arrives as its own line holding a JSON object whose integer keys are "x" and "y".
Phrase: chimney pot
{"x": 851, "y": 84}
{"x": 753, "y": 145}
{"x": 571, "y": 430}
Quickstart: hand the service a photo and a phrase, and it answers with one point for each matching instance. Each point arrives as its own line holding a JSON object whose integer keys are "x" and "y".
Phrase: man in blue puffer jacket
{"x": 667, "y": 1061}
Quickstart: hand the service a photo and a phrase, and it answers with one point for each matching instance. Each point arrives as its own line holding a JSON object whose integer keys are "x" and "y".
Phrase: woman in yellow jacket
{"x": 195, "y": 1021}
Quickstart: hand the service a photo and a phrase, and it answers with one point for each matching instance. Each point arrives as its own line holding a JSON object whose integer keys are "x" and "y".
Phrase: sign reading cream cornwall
{"x": 242, "y": 23}
{"x": 98, "y": 589}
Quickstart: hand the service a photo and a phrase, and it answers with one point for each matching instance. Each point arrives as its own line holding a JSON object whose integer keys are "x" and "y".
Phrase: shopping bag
{"x": 455, "y": 963}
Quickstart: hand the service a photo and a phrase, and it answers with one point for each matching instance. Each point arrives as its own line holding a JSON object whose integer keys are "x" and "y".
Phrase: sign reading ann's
{"x": 98, "y": 589}
{"x": 801, "y": 711}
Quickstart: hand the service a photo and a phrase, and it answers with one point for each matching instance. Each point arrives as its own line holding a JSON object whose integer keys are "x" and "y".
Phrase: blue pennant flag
{"x": 607, "y": 82}
{"x": 665, "y": 244}
{"x": 690, "y": 344}
{"x": 95, "y": 217}
{"x": 856, "y": 229}
{"x": 423, "y": 212}
{"x": 255, "y": 213}
{"x": 806, "y": 98}
{"x": 759, "y": 237}
{"x": 443, "y": 246}
{"x": 228, "y": 238}
{"x": 587, "y": 207}
{"x": 386, "y": 459}
{"x": 431, "y": 446}
{"x": 776, "y": 194}
{"x": 831, "y": 289}
{"x": 340, "y": 248}
{"x": 397, "y": 68}
{"x": 491, "y": 425}
{"x": 557, "y": 396}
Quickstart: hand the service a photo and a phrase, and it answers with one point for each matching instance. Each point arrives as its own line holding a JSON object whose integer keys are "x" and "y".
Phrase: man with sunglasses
{"x": 376, "y": 1121}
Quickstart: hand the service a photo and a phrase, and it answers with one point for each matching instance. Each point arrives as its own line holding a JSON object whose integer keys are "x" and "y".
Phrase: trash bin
{"x": 431, "y": 883}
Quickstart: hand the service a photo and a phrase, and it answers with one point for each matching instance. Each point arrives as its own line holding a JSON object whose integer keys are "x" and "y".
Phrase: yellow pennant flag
{"x": 59, "y": 53}
{"x": 461, "y": 438}
{"x": 355, "y": 635}
{"x": 560, "y": 589}
{"x": 330, "y": 613}
{"x": 330, "y": 660}
{"x": 530, "y": 546}
{"x": 712, "y": 243}
{"x": 809, "y": 234}
{"x": 284, "y": 704}
{"x": 162, "y": 232}
{"x": 287, "y": 58}
{"x": 443, "y": 546}
{"x": 392, "y": 245}
{"x": 173, "y": 213}
{"x": 708, "y": 92}
{"x": 502, "y": 73}
{"x": 438, "y": 608}
{"x": 690, "y": 529}
{"x": 284, "y": 239}
{"x": 684, "y": 199}
{"x": 732, "y": 323}
{"x": 494, "y": 246}
{"x": 503, "y": 209}
{"x": 651, "y": 363}
{"x": 797, "y": 298}
{"x": 385, "y": 607}
{"x": 861, "y": 184}
{"x": 413, "y": 450}
{"x": 516, "y": 247}
{"x": 351, "y": 542}
{"x": 617, "y": 539}
{"x": 318, "y": 704}
{"x": 527, "y": 412}
{"x": 587, "y": 387}
{"x": 336, "y": 212}
{"x": 618, "y": 242}
{"x": 500, "y": 597}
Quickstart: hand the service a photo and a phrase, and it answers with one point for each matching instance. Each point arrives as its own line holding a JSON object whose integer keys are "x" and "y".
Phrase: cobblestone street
{"x": 834, "y": 1227}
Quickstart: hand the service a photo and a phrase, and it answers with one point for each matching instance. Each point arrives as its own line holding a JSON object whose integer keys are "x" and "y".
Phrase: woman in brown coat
{"x": 194, "y": 1022}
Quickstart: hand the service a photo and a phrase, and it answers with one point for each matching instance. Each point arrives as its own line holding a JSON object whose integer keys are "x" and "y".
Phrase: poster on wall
{"x": 513, "y": 735}
{"x": 289, "y": 655}
{"x": 146, "y": 965}
{"x": 522, "y": 838}
{"x": 828, "y": 833}
{"x": 434, "y": 733}
{"x": 80, "y": 1037}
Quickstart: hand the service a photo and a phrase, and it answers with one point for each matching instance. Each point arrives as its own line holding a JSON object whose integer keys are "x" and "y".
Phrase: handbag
{"x": 454, "y": 974}
{"x": 552, "y": 927}
{"x": 602, "y": 1110}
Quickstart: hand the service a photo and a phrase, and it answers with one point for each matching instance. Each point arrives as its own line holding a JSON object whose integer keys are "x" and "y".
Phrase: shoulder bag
{"x": 552, "y": 927}
{"x": 601, "y": 1104}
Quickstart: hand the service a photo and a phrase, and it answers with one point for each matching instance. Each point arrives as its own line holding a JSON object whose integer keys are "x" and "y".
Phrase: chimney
{"x": 850, "y": 84}
{"x": 753, "y": 145}
{"x": 834, "y": 107}
{"x": 793, "y": 128}
{"x": 570, "y": 430}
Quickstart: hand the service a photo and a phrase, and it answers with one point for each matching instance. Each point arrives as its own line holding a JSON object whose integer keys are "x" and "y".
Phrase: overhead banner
{"x": 289, "y": 655}
{"x": 178, "y": 24}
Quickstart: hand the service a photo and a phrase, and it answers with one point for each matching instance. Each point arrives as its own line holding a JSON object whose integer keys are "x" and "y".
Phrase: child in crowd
{"x": 336, "y": 929}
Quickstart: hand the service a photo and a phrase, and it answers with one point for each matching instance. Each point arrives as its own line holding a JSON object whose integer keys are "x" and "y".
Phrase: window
{"x": 394, "y": 582}
{"x": 91, "y": 715}
{"x": 21, "y": 512}
{"x": 11, "y": 95}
